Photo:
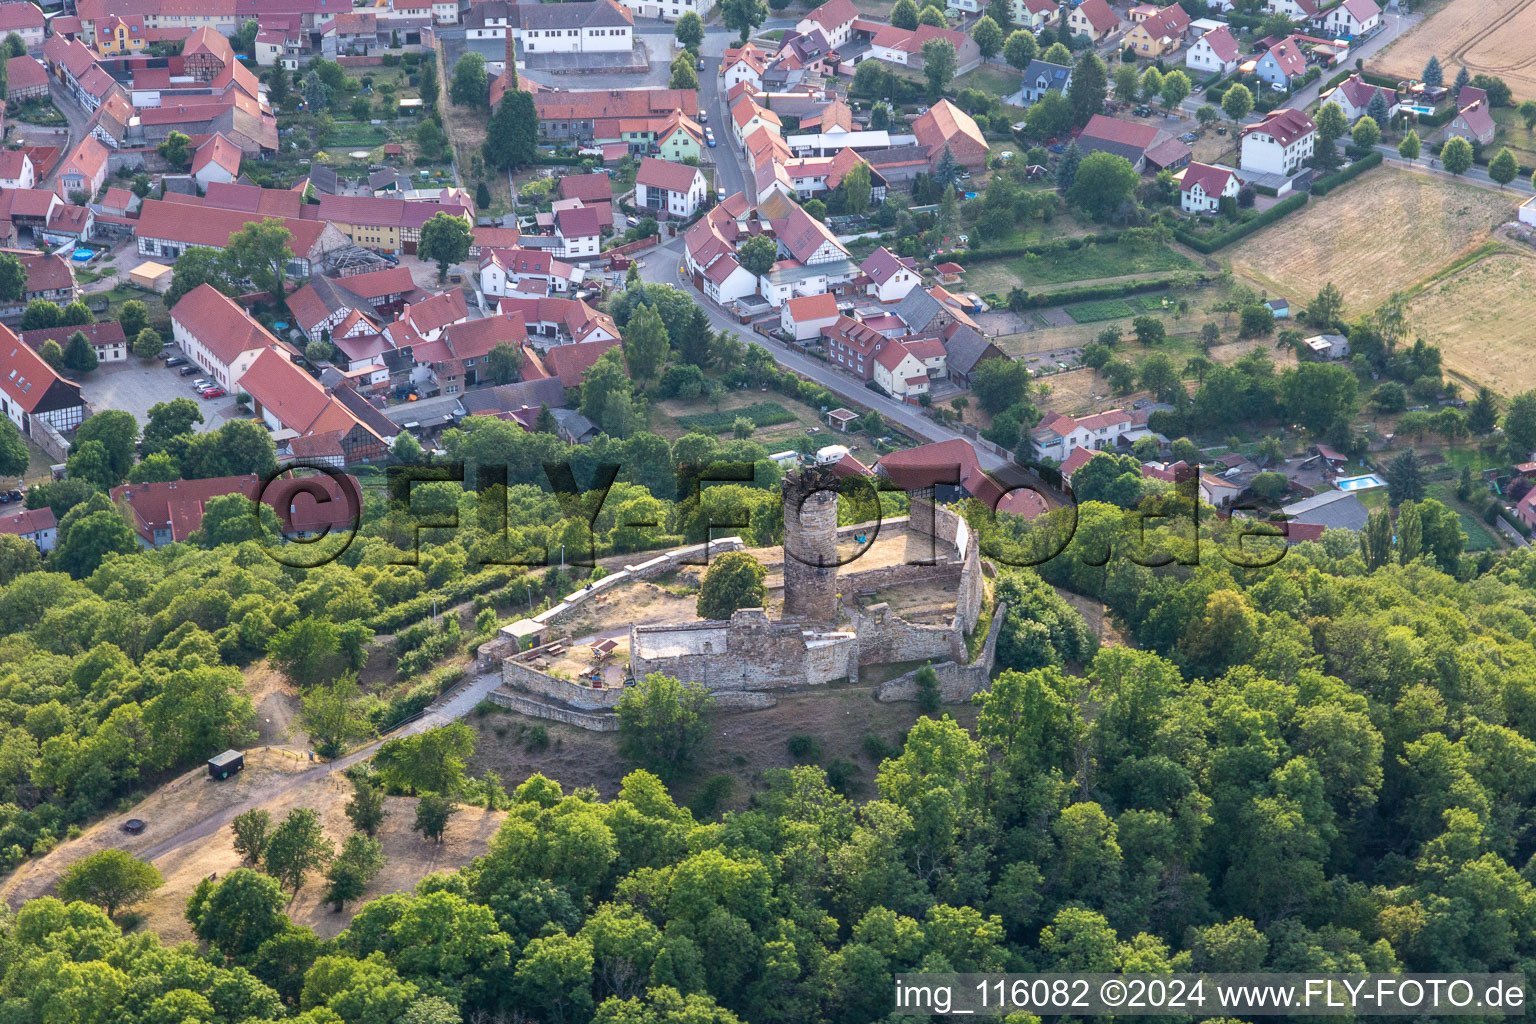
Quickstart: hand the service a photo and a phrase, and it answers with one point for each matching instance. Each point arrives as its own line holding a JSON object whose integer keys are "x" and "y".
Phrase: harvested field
{"x": 1378, "y": 235}
{"x": 1477, "y": 316}
{"x": 1488, "y": 36}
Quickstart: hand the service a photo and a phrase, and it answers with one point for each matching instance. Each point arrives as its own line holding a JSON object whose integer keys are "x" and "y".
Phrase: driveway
{"x": 133, "y": 385}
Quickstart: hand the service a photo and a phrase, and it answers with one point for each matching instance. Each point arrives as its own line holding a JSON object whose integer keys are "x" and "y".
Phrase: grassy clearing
{"x": 1103, "y": 309}
{"x": 1375, "y": 236}
{"x": 762, "y": 414}
{"x": 1479, "y": 316}
{"x": 1090, "y": 263}
{"x": 990, "y": 79}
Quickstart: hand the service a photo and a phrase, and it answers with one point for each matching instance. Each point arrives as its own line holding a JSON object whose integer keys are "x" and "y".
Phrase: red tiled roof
{"x": 15, "y": 17}
{"x": 24, "y": 376}
{"x": 222, "y": 326}
{"x": 882, "y": 264}
{"x": 1222, "y": 44}
{"x": 578, "y": 223}
{"x": 1099, "y": 14}
{"x": 25, "y": 73}
{"x": 212, "y": 226}
{"x": 378, "y": 283}
{"x": 179, "y": 504}
{"x": 1211, "y": 179}
{"x": 665, "y": 174}
{"x": 569, "y": 362}
{"x": 13, "y": 163}
{"x": 217, "y": 150}
{"x": 1125, "y": 133}
{"x": 32, "y": 520}
{"x": 812, "y": 307}
{"x": 1286, "y": 126}
{"x": 833, "y": 14}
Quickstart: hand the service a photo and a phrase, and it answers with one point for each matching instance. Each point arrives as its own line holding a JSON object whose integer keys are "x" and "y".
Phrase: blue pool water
{"x": 1421, "y": 110}
{"x": 1360, "y": 483}
{"x": 84, "y": 255}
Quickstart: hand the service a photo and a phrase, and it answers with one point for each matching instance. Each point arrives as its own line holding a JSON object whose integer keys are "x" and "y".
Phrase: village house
{"x": 745, "y": 63}
{"x": 1130, "y": 139}
{"x": 106, "y": 339}
{"x": 26, "y": 79}
{"x": 1041, "y": 77}
{"x": 320, "y": 306}
{"x": 1328, "y": 346}
{"x": 216, "y": 160}
{"x": 388, "y": 224}
{"x": 218, "y": 335}
{"x": 1300, "y": 11}
{"x": 48, "y": 274}
{"x": 670, "y": 10}
{"x": 171, "y": 512}
{"x": 167, "y": 228}
{"x": 37, "y": 525}
{"x": 577, "y": 233}
{"x": 84, "y": 169}
{"x": 24, "y": 19}
{"x": 610, "y": 115}
{"x": 1282, "y": 64}
{"x": 32, "y": 393}
{"x": 953, "y": 471}
{"x": 1094, "y": 19}
{"x": 1354, "y": 96}
{"x": 1350, "y": 19}
{"x": 1216, "y": 52}
{"x": 552, "y": 322}
{"x": 528, "y": 273}
{"x": 1058, "y": 435}
{"x": 947, "y": 126}
{"x": 1035, "y": 15}
{"x": 16, "y": 169}
{"x": 834, "y": 19}
{"x": 459, "y": 358}
{"x": 1474, "y": 117}
{"x": 1279, "y": 144}
{"x": 1203, "y": 186}
{"x": 807, "y": 316}
{"x": 295, "y": 405}
{"x": 601, "y": 26}
{"x": 665, "y": 189}
{"x": 1159, "y": 33}
{"x": 890, "y": 276}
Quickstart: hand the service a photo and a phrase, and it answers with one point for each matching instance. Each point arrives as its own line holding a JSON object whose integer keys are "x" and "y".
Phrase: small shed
{"x": 152, "y": 276}
{"x": 225, "y": 764}
{"x": 526, "y": 632}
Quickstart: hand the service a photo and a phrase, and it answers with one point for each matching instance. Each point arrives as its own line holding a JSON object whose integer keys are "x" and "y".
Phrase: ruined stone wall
{"x": 542, "y": 684}
{"x": 538, "y": 709}
{"x": 957, "y": 682}
{"x": 758, "y": 653}
{"x": 885, "y": 638}
{"x": 871, "y": 580}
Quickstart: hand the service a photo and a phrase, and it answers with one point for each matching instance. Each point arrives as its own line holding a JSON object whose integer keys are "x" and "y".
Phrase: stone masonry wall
{"x": 757, "y": 653}
{"x": 957, "y": 683}
{"x": 538, "y": 709}
{"x": 567, "y": 691}
{"x": 885, "y": 637}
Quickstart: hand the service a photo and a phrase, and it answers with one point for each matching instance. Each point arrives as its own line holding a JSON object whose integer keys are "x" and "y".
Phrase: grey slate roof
{"x": 509, "y": 397}
{"x": 541, "y": 17}
{"x": 965, "y": 348}
{"x": 1333, "y": 510}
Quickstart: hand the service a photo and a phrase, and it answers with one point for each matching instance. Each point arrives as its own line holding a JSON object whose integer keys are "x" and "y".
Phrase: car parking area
{"x": 134, "y": 385}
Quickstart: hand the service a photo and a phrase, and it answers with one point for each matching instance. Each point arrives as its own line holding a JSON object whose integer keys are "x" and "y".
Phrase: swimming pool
{"x": 1422, "y": 111}
{"x": 84, "y": 255}
{"x": 1360, "y": 483}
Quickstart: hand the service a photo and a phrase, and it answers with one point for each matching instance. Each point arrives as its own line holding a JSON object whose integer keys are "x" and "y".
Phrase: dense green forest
{"x": 1308, "y": 766}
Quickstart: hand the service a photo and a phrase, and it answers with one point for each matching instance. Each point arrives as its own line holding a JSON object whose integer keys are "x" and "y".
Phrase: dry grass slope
{"x": 1488, "y": 36}
{"x": 1477, "y": 316}
{"x": 1377, "y": 235}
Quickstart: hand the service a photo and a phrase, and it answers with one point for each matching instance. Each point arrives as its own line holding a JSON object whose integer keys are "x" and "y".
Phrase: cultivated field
{"x": 1377, "y": 235}
{"x": 1477, "y": 316}
{"x": 1488, "y": 36}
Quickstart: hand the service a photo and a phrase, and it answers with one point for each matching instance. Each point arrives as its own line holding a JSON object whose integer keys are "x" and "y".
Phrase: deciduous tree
{"x": 111, "y": 879}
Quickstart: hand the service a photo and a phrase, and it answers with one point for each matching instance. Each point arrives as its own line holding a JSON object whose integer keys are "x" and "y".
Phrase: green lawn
{"x": 762, "y": 414}
{"x": 990, "y": 79}
{"x": 356, "y": 135}
{"x": 1090, "y": 263}
{"x": 1103, "y": 309}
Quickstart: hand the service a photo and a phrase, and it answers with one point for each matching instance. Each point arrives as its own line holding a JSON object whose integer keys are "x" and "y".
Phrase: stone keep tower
{"x": 810, "y": 544}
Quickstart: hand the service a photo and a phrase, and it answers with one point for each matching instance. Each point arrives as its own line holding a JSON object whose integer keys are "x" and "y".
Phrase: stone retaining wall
{"x": 567, "y": 691}
{"x": 538, "y": 709}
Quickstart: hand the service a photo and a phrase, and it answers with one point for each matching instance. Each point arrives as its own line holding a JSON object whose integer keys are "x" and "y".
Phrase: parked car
{"x": 187, "y": 371}
{"x": 214, "y": 392}
{"x": 175, "y": 361}
{"x": 14, "y": 495}
{"x": 703, "y": 117}
{"x": 701, "y": 63}
{"x": 165, "y": 353}
{"x": 200, "y": 383}
{"x": 1221, "y": 129}
{"x": 1058, "y": 148}
{"x": 1143, "y": 111}
{"x": 720, "y": 193}
{"x": 710, "y": 138}
{"x": 1188, "y": 137}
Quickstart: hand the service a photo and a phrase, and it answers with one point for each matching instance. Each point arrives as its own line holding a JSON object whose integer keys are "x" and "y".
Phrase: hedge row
{"x": 1209, "y": 243}
{"x": 1322, "y": 186}
{"x": 1089, "y": 293}
{"x": 1053, "y": 248}
{"x": 406, "y": 612}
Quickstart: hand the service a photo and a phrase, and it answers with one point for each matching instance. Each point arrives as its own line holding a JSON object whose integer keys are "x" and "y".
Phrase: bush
{"x": 843, "y": 776}
{"x": 1097, "y": 292}
{"x": 877, "y": 748}
{"x": 804, "y": 748}
{"x": 715, "y": 791}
